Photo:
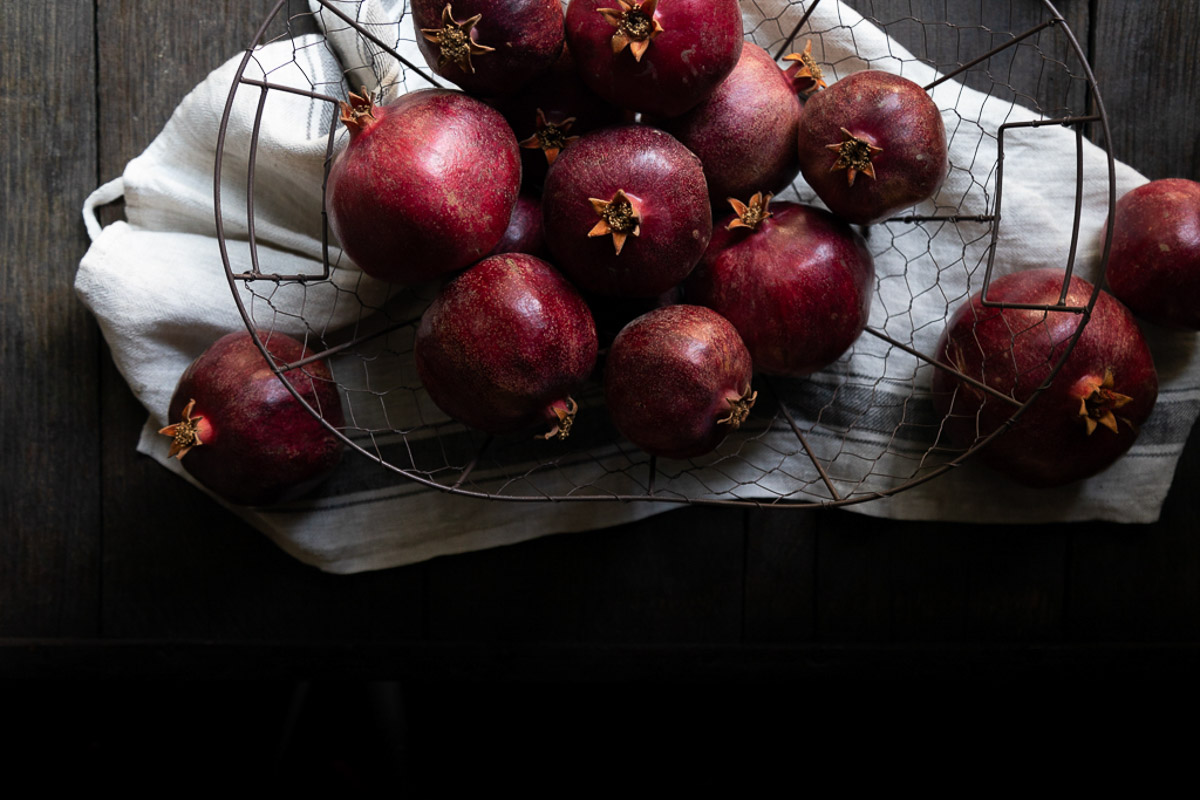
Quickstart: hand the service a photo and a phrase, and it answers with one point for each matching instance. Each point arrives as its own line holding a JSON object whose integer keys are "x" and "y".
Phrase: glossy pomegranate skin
{"x": 665, "y": 179}
{"x": 699, "y": 45}
{"x": 1014, "y": 350}
{"x": 527, "y": 37}
{"x": 745, "y": 131}
{"x": 669, "y": 378}
{"x": 263, "y": 447}
{"x": 524, "y": 233}
{"x": 560, "y": 95}
{"x": 798, "y": 288}
{"x": 1154, "y": 264}
{"x": 889, "y": 112}
{"x": 425, "y": 188}
{"x": 503, "y": 342}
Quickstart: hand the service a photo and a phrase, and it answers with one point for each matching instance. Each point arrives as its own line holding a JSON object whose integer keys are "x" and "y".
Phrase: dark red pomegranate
{"x": 794, "y": 280}
{"x": 1154, "y": 264}
{"x": 425, "y": 186}
{"x": 504, "y": 346}
{"x": 626, "y": 211}
{"x": 659, "y": 58}
{"x": 1086, "y": 419}
{"x": 238, "y": 430}
{"x": 745, "y": 131}
{"x": 549, "y": 113}
{"x": 677, "y": 381}
{"x": 872, "y": 144}
{"x": 524, "y": 233}
{"x": 488, "y": 47}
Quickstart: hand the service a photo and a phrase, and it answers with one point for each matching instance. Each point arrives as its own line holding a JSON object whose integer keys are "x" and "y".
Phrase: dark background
{"x": 124, "y": 592}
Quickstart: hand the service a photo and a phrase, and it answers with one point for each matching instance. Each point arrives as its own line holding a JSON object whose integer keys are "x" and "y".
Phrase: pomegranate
{"x": 488, "y": 47}
{"x": 677, "y": 381}
{"x": 794, "y": 280}
{"x": 524, "y": 233}
{"x": 425, "y": 186}
{"x": 1154, "y": 265}
{"x": 505, "y": 344}
{"x": 1085, "y": 419}
{"x": 659, "y": 58}
{"x": 745, "y": 131}
{"x": 626, "y": 211}
{"x": 238, "y": 430}
{"x": 872, "y": 144}
{"x": 549, "y": 113}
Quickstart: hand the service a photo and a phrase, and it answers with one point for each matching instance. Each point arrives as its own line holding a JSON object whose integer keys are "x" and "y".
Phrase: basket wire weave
{"x": 862, "y": 429}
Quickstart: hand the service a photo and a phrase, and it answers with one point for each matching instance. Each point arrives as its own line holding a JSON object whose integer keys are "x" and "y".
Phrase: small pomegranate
{"x": 1154, "y": 265}
{"x": 659, "y": 58}
{"x": 504, "y": 346}
{"x": 238, "y": 430}
{"x": 524, "y": 233}
{"x": 626, "y": 211}
{"x": 872, "y": 144}
{"x": 745, "y": 131}
{"x": 794, "y": 280}
{"x": 1083, "y": 421}
{"x": 489, "y": 47}
{"x": 677, "y": 381}
{"x": 425, "y": 186}
{"x": 549, "y": 113}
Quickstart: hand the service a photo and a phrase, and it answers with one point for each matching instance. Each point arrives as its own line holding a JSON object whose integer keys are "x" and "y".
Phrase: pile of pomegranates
{"x": 583, "y": 170}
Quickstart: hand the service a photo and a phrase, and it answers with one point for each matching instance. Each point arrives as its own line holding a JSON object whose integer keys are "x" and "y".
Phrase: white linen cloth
{"x": 160, "y": 294}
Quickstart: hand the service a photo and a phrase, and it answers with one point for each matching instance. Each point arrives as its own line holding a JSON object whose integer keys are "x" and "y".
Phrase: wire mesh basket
{"x": 861, "y": 429}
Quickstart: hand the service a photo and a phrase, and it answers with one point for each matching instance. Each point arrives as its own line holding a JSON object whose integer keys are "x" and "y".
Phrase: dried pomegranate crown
{"x": 455, "y": 40}
{"x": 635, "y": 24}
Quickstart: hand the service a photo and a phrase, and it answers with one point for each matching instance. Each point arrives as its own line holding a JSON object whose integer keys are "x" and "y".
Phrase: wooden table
{"x": 111, "y": 566}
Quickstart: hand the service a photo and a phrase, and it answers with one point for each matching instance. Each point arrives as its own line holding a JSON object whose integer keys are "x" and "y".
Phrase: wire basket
{"x": 862, "y": 429}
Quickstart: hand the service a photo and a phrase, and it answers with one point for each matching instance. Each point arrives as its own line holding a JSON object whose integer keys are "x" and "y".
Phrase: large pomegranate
{"x": 504, "y": 346}
{"x": 745, "y": 131}
{"x": 626, "y": 211}
{"x": 425, "y": 186}
{"x": 677, "y": 381}
{"x": 1085, "y": 419}
{"x": 659, "y": 58}
{"x": 1154, "y": 265}
{"x": 488, "y": 47}
{"x": 238, "y": 430}
{"x": 794, "y": 280}
{"x": 872, "y": 144}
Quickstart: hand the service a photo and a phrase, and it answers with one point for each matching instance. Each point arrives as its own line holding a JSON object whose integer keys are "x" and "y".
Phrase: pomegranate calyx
{"x": 618, "y": 216}
{"x": 455, "y": 41}
{"x": 806, "y": 76}
{"x": 359, "y": 113}
{"x": 739, "y": 408}
{"x": 561, "y": 414}
{"x": 635, "y": 24}
{"x": 1098, "y": 401}
{"x": 189, "y": 432}
{"x": 549, "y": 137}
{"x": 854, "y": 156}
{"x": 752, "y": 214}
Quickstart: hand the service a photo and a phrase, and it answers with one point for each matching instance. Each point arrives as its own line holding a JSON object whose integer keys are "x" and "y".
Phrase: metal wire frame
{"x": 1097, "y": 116}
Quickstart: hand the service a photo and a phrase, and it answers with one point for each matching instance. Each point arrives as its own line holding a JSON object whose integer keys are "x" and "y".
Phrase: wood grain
{"x": 50, "y": 516}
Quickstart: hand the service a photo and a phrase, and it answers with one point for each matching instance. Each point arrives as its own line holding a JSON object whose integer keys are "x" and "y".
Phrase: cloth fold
{"x": 157, "y": 287}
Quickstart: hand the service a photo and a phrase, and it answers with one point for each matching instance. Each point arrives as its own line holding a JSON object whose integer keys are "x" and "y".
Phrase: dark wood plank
{"x": 781, "y": 586}
{"x": 175, "y": 563}
{"x": 49, "y": 447}
{"x": 1145, "y": 68}
{"x": 673, "y": 577}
